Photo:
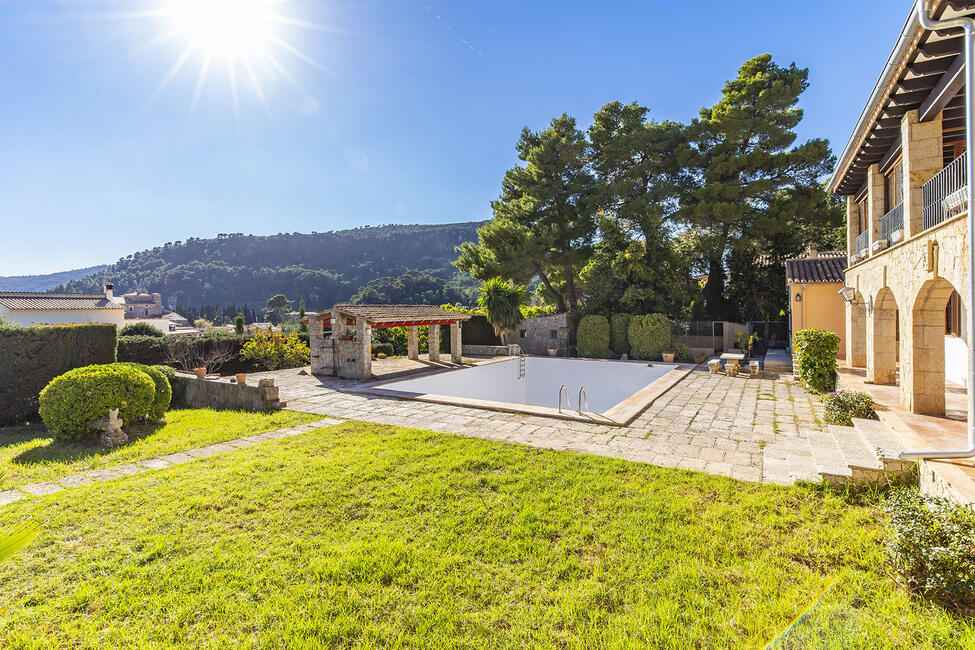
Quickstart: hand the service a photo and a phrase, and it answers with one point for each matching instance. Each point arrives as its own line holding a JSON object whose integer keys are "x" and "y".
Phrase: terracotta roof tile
{"x": 27, "y": 300}
{"x": 400, "y": 313}
{"x": 824, "y": 269}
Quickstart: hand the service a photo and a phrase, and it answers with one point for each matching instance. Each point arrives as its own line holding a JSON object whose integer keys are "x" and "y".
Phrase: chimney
{"x": 109, "y": 289}
{"x": 811, "y": 251}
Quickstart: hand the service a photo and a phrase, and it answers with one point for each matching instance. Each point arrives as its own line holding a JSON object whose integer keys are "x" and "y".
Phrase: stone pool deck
{"x": 749, "y": 428}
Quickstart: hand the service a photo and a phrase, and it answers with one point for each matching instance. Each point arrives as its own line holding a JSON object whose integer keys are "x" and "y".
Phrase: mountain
{"x": 44, "y": 282}
{"x": 322, "y": 268}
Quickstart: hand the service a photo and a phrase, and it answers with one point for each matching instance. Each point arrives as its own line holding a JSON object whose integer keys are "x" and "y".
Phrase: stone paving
{"x": 160, "y": 462}
{"x": 749, "y": 428}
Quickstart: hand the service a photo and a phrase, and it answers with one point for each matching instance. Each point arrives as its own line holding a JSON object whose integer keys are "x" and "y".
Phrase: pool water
{"x": 607, "y": 383}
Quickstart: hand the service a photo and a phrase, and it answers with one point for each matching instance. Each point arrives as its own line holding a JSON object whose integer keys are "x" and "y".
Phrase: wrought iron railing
{"x": 863, "y": 241}
{"x": 943, "y": 195}
{"x": 892, "y": 221}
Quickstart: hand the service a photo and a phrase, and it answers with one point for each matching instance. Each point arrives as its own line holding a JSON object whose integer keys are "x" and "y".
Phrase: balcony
{"x": 892, "y": 222}
{"x": 863, "y": 241}
{"x": 944, "y": 195}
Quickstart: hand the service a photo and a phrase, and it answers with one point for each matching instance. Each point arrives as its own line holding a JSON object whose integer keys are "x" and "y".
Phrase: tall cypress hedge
{"x": 30, "y": 357}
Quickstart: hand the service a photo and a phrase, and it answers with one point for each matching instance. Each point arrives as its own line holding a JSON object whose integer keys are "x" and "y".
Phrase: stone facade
{"x": 537, "y": 335}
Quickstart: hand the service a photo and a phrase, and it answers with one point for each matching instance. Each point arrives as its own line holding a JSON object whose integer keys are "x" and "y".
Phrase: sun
{"x": 227, "y": 25}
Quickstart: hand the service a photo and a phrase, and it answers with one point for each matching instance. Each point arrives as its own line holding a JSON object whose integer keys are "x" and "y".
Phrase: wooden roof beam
{"x": 949, "y": 85}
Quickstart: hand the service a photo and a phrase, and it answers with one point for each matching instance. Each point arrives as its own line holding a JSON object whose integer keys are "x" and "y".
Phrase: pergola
{"x": 351, "y": 354}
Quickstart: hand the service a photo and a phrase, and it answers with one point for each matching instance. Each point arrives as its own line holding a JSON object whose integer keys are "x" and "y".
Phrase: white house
{"x": 27, "y": 308}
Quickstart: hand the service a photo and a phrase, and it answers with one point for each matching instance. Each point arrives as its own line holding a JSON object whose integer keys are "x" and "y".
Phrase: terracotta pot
{"x": 668, "y": 357}
{"x": 241, "y": 378}
{"x": 200, "y": 372}
{"x": 346, "y": 337}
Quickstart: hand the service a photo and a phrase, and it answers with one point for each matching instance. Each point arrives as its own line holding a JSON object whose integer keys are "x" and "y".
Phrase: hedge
{"x": 72, "y": 403}
{"x": 140, "y": 329}
{"x": 592, "y": 337}
{"x": 30, "y": 357}
{"x": 649, "y": 335}
{"x": 619, "y": 338}
{"x": 150, "y": 350}
{"x": 815, "y": 354}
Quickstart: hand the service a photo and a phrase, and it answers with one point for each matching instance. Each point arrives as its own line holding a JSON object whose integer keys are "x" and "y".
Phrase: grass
{"x": 29, "y": 454}
{"x": 366, "y": 535}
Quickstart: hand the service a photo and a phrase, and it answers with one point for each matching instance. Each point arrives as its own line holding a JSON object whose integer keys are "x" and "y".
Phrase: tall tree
{"x": 502, "y": 302}
{"x": 752, "y": 179}
{"x": 543, "y": 221}
{"x": 277, "y": 306}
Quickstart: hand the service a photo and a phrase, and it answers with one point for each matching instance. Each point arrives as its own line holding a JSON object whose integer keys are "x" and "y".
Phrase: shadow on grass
{"x": 21, "y": 433}
{"x": 72, "y": 451}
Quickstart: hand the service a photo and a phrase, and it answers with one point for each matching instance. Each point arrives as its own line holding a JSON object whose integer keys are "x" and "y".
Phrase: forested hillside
{"x": 321, "y": 268}
{"x": 46, "y": 281}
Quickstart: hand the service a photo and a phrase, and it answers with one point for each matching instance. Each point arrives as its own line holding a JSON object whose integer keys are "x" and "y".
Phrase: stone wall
{"x": 490, "y": 350}
{"x": 191, "y": 392}
{"x": 535, "y": 335}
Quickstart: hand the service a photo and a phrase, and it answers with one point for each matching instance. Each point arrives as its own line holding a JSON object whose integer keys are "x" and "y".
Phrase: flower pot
{"x": 200, "y": 372}
{"x": 553, "y": 352}
{"x": 668, "y": 357}
{"x": 241, "y": 378}
{"x": 346, "y": 337}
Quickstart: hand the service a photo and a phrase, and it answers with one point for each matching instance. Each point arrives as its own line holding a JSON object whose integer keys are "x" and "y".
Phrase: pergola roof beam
{"x": 949, "y": 85}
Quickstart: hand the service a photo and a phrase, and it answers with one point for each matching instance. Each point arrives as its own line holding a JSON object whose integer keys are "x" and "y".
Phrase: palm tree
{"x": 501, "y": 302}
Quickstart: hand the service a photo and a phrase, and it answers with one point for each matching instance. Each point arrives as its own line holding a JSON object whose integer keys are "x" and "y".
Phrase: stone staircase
{"x": 864, "y": 454}
{"x": 777, "y": 360}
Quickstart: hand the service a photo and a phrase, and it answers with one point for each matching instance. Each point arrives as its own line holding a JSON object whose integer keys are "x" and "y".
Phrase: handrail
{"x": 945, "y": 183}
{"x": 892, "y": 221}
{"x": 582, "y": 394}
{"x": 863, "y": 241}
{"x": 566, "y": 391}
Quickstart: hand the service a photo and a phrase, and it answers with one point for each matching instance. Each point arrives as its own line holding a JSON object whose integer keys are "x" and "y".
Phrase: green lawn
{"x": 29, "y": 454}
{"x": 373, "y": 536}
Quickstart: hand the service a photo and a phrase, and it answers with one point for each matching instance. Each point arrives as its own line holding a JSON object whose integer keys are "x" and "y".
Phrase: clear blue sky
{"x": 409, "y": 116}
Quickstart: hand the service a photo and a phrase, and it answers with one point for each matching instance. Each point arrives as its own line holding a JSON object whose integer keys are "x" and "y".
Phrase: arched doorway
{"x": 923, "y": 375}
{"x": 858, "y": 332}
{"x": 883, "y": 370}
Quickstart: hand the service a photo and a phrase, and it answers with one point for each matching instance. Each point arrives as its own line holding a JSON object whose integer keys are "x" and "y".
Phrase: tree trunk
{"x": 570, "y": 286}
{"x": 560, "y": 299}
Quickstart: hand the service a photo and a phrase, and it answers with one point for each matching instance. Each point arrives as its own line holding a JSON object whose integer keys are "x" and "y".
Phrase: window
{"x": 553, "y": 334}
{"x": 893, "y": 186}
{"x": 953, "y": 315}
{"x": 861, "y": 216}
{"x": 523, "y": 333}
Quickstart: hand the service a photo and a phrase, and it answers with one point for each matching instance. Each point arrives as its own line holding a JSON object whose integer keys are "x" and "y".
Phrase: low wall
{"x": 191, "y": 392}
{"x": 490, "y": 350}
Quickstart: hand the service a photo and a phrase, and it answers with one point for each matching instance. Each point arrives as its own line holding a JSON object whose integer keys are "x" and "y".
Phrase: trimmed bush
{"x": 592, "y": 337}
{"x": 74, "y": 401}
{"x": 30, "y": 357}
{"x": 164, "y": 390}
{"x": 168, "y": 371}
{"x": 273, "y": 350}
{"x": 150, "y": 350}
{"x": 383, "y": 348}
{"x": 649, "y": 335}
{"x": 682, "y": 352}
{"x": 619, "y": 336}
{"x": 844, "y": 405}
{"x": 140, "y": 329}
{"x": 929, "y": 543}
{"x": 815, "y": 358}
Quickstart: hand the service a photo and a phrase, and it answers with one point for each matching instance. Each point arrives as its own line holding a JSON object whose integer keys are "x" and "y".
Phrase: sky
{"x": 355, "y": 113}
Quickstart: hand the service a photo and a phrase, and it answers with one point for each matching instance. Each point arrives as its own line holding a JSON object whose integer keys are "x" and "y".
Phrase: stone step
{"x": 865, "y": 466}
{"x": 879, "y": 438}
{"x": 828, "y": 458}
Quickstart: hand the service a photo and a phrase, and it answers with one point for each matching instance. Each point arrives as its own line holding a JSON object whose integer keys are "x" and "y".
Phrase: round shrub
{"x": 843, "y": 405}
{"x": 619, "y": 339}
{"x": 71, "y": 403}
{"x": 592, "y": 337}
{"x": 682, "y": 352}
{"x": 164, "y": 391}
{"x": 168, "y": 371}
{"x": 383, "y": 348}
{"x": 140, "y": 329}
{"x": 649, "y": 335}
{"x": 815, "y": 358}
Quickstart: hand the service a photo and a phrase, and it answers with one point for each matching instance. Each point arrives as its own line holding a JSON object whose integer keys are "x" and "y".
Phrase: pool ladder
{"x": 521, "y": 366}
{"x": 568, "y": 404}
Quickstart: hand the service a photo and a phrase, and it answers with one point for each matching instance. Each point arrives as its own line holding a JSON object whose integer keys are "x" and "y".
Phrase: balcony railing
{"x": 892, "y": 221}
{"x": 863, "y": 241}
{"x": 943, "y": 195}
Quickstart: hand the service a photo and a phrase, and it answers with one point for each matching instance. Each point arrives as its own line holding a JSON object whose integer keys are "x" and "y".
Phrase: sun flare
{"x": 229, "y": 25}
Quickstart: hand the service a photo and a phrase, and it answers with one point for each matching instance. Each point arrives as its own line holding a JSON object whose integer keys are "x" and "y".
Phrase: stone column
{"x": 922, "y": 159}
{"x": 455, "y": 343}
{"x": 363, "y": 335}
{"x": 875, "y": 202}
{"x": 851, "y": 226}
{"x": 433, "y": 342}
{"x": 412, "y": 342}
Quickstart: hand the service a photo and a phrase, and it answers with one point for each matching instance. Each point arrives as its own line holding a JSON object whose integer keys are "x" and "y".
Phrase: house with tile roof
{"x": 814, "y": 281}
{"x": 26, "y": 308}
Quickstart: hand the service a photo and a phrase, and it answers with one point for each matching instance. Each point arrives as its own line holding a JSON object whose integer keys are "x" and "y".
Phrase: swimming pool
{"x": 613, "y": 390}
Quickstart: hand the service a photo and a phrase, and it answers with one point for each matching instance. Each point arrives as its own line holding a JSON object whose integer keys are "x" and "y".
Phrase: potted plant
{"x": 241, "y": 378}
{"x": 349, "y": 334}
{"x": 200, "y": 372}
{"x": 668, "y": 357}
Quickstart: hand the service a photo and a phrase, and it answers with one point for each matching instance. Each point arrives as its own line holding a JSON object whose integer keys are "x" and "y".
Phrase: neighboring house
{"x": 144, "y": 307}
{"x": 814, "y": 281}
{"x": 902, "y": 173}
{"x": 29, "y": 308}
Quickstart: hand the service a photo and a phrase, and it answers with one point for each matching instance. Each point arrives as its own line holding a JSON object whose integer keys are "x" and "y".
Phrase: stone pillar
{"x": 316, "y": 343}
{"x": 433, "y": 343}
{"x": 455, "y": 343}
{"x": 922, "y": 159}
{"x": 412, "y": 342}
{"x": 363, "y": 335}
{"x": 875, "y": 202}
{"x": 882, "y": 340}
{"x": 856, "y": 346}
{"x": 851, "y": 226}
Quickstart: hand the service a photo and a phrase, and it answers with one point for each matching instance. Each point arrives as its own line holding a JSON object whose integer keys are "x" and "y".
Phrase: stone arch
{"x": 883, "y": 370}
{"x": 858, "y": 332}
{"x": 923, "y": 378}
